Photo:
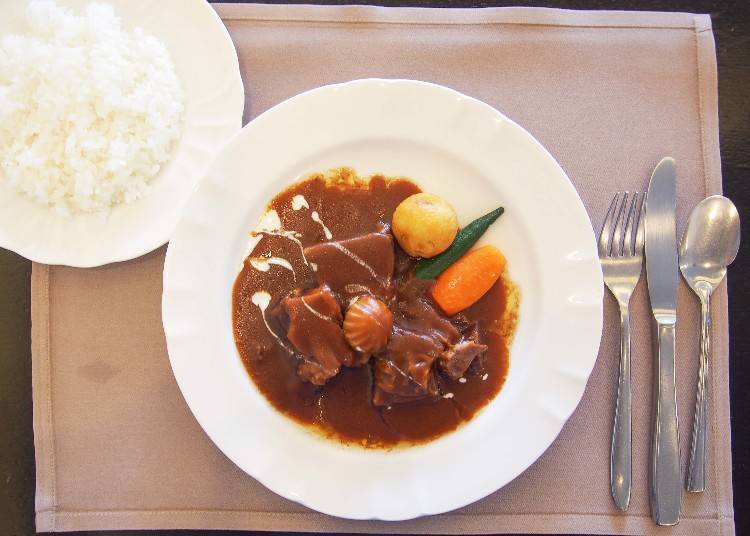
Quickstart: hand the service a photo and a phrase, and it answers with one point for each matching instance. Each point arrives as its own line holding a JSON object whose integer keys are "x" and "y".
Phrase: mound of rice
{"x": 89, "y": 111}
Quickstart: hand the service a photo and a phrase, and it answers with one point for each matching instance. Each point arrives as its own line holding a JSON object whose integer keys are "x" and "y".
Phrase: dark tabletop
{"x": 731, "y": 22}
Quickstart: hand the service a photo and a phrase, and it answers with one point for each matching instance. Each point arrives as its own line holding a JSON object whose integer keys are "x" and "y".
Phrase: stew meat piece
{"x": 359, "y": 265}
{"x": 422, "y": 335}
{"x": 417, "y": 313}
{"x": 404, "y": 371}
{"x": 315, "y": 332}
{"x": 457, "y": 358}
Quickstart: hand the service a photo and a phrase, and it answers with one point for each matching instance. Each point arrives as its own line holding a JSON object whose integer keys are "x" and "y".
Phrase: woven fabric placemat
{"x": 607, "y": 93}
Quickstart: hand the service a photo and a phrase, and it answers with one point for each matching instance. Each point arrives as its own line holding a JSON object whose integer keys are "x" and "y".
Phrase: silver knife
{"x": 662, "y": 273}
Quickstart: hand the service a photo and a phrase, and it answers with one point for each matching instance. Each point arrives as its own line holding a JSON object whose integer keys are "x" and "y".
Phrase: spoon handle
{"x": 696, "y": 481}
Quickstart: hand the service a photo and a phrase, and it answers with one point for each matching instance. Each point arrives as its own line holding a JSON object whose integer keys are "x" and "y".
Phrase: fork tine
{"x": 617, "y": 235}
{"x": 606, "y": 235}
{"x": 627, "y": 245}
{"x": 640, "y": 235}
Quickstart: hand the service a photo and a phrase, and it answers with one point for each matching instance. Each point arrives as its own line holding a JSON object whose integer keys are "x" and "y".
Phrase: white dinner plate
{"x": 207, "y": 65}
{"x": 451, "y": 145}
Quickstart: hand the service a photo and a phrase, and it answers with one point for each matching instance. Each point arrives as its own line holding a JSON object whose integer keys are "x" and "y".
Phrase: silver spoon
{"x": 709, "y": 245}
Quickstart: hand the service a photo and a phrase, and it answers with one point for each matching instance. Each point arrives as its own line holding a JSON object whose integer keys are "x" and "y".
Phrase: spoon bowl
{"x": 710, "y": 243}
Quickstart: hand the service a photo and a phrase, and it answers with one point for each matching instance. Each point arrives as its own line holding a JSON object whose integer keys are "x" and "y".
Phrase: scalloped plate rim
{"x": 281, "y": 485}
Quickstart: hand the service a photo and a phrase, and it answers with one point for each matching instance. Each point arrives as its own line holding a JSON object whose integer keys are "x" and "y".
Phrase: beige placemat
{"x": 608, "y": 93}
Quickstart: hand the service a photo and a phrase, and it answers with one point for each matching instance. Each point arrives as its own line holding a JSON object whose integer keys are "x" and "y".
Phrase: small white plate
{"x": 451, "y": 145}
{"x": 207, "y": 65}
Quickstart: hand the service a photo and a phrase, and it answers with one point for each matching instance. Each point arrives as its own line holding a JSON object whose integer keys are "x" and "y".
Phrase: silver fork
{"x": 621, "y": 255}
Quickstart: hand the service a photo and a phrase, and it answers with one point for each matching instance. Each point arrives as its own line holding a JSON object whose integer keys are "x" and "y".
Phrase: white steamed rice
{"x": 89, "y": 111}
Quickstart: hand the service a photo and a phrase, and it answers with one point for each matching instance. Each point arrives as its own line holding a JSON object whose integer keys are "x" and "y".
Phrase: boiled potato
{"x": 424, "y": 225}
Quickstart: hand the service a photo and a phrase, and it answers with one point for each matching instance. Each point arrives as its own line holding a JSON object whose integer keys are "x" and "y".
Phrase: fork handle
{"x": 666, "y": 485}
{"x": 621, "y": 458}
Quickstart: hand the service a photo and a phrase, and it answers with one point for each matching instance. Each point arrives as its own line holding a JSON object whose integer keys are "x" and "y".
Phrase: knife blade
{"x": 662, "y": 275}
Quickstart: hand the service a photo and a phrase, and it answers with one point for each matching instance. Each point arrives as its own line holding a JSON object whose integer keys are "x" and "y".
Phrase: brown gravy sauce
{"x": 342, "y": 409}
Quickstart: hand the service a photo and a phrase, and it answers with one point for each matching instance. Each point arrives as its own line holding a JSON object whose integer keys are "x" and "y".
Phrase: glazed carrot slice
{"x": 468, "y": 279}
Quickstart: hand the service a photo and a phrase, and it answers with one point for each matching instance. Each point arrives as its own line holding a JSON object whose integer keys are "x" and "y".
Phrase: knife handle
{"x": 666, "y": 486}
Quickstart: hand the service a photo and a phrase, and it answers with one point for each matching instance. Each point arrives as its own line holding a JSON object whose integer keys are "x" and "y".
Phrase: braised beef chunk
{"x": 315, "y": 332}
{"x": 421, "y": 335}
{"x": 418, "y": 314}
{"x": 404, "y": 371}
{"x": 457, "y": 358}
{"x": 315, "y": 372}
{"x": 359, "y": 265}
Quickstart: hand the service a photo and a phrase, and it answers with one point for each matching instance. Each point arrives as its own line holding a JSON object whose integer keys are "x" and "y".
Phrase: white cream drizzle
{"x": 315, "y": 312}
{"x": 356, "y": 258}
{"x": 404, "y": 374}
{"x": 262, "y": 299}
{"x": 269, "y": 221}
{"x": 254, "y": 239}
{"x": 316, "y": 218}
{"x": 298, "y": 202}
{"x": 314, "y": 266}
{"x": 351, "y": 288}
{"x": 263, "y": 264}
{"x": 290, "y": 235}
